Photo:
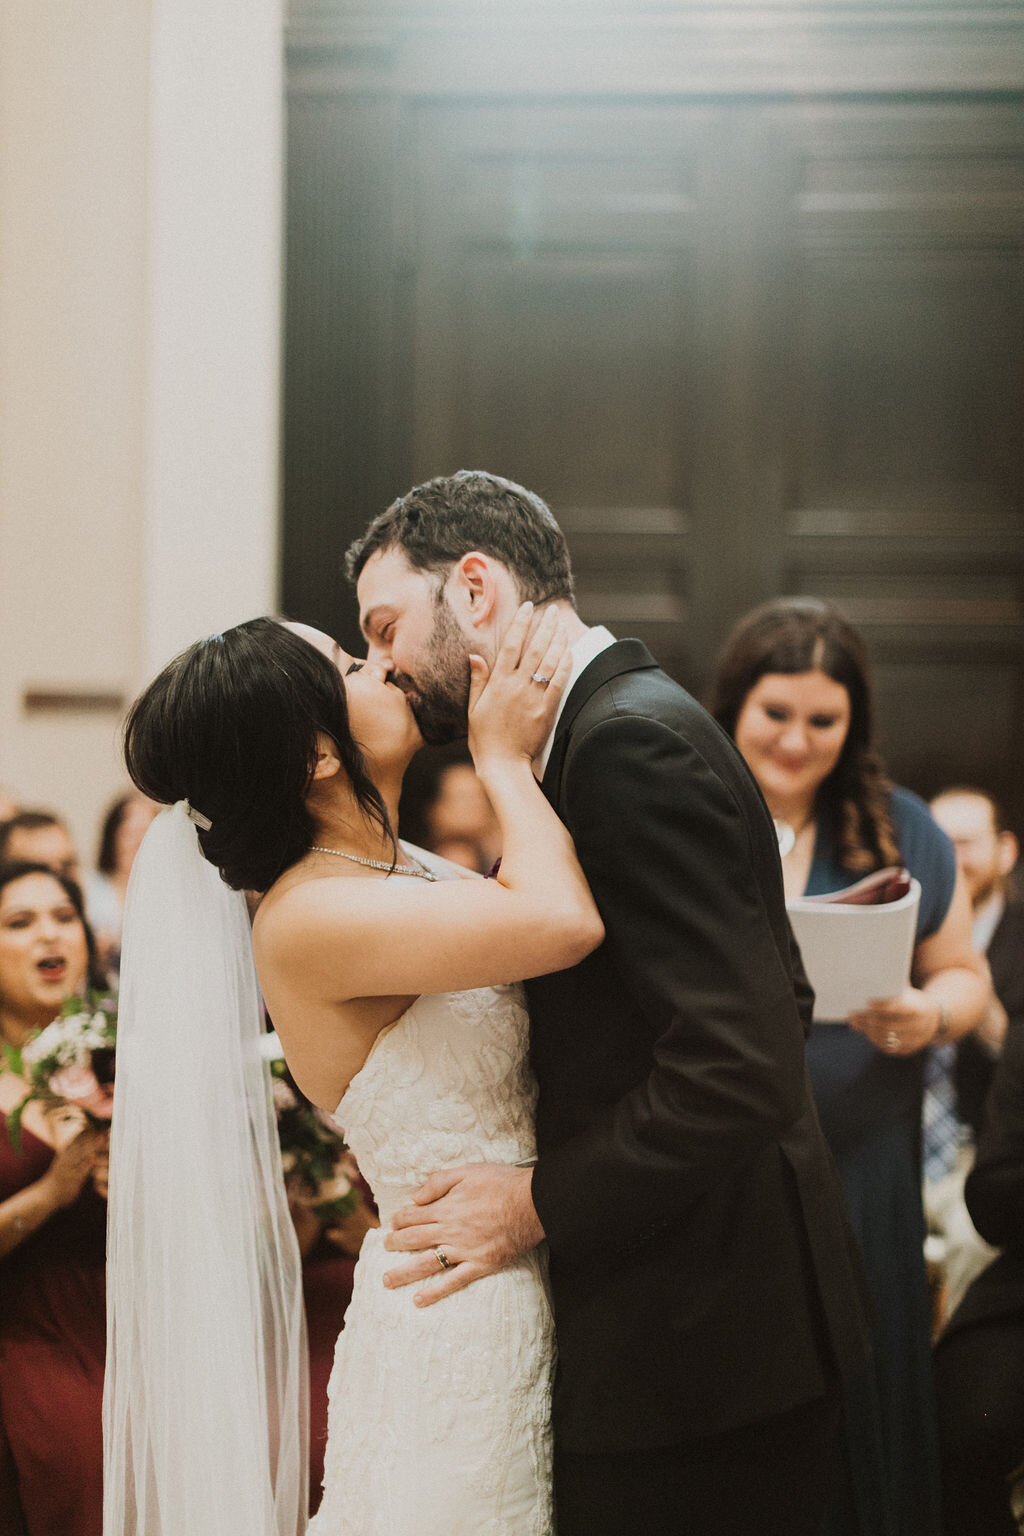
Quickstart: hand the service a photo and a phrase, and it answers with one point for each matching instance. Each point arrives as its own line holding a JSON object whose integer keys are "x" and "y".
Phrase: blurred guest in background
{"x": 980, "y": 1357}
{"x": 40, "y": 837}
{"x": 793, "y": 690}
{"x": 332, "y": 1213}
{"x": 958, "y": 1077}
{"x": 52, "y": 1226}
{"x": 124, "y": 827}
{"x": 329, "y": 1254}
{"x": 461, "y": 825}
{"x": 444, "y": 808}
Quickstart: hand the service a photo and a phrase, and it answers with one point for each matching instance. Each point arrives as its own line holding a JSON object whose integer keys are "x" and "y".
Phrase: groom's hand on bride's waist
{"x": 466, "y": 1223}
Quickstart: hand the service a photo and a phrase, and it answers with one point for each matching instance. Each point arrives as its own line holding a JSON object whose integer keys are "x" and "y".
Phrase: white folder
{"x": 855, "y": 954}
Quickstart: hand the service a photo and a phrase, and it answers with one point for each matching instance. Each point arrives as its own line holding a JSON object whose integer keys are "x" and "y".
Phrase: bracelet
{"x": 943, "y": 1026}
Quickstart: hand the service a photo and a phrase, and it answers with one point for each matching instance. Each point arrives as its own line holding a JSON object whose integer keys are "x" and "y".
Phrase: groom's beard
{"x": 439, "y": 693}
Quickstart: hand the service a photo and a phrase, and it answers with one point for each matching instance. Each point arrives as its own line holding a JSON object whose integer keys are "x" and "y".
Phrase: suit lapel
{"x": 624, "y": 656}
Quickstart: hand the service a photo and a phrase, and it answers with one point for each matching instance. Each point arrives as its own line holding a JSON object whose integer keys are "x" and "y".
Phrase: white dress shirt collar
{"x": 986, "y": 920}
{"x": 587, "y": 647}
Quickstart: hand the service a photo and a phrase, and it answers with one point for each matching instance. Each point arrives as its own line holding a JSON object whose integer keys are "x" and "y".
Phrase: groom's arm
{"x": 667, "y": 850}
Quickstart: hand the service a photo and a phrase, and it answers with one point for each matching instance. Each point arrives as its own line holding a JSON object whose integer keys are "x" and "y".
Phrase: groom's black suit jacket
{"x": 975, "y": 1066}
{"x": 703, "y": 1271}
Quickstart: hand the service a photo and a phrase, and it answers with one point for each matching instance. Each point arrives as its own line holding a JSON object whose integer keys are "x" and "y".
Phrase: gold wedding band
{"x": 442, "y": 1258}
{"x": 892, "y": 1041}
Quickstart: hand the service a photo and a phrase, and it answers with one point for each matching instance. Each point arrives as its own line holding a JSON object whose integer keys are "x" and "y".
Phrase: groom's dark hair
{"x": 436, "y": 523}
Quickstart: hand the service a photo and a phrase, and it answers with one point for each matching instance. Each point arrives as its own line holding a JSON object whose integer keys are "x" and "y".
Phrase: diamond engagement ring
{"x": 442, "y": 1258}
{"x": 535, "y": 677}
{"x": 892, "y": 1041}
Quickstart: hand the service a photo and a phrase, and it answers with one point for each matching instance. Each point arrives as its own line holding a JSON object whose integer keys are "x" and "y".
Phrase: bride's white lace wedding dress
{"x": 439, "y": 1417}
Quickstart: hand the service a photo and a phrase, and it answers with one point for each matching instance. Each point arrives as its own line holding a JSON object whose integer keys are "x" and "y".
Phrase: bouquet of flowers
{"x": 314, "y": 1157}
{"x": 70, "y": 1063}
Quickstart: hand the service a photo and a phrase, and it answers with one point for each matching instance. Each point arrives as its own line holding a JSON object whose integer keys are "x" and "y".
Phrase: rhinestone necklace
{"x": 417, "y": 869}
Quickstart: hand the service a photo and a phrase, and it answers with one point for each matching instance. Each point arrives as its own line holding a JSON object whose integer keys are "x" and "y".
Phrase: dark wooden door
{"x": 900, "y": 419}
{"x": 558, "y": 334}
{"x": 744, "y": 341}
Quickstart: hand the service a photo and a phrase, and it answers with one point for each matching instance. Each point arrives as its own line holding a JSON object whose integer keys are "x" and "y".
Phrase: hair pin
{"x": 201, "y": 821}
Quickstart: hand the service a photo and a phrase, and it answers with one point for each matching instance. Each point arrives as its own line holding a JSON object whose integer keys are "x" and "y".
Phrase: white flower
{"x": 50, "y": 1040}
{"x": 70, "y": 1042}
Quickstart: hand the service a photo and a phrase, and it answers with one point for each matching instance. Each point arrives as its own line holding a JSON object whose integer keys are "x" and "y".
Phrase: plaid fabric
{"x": 943, "y": 1129}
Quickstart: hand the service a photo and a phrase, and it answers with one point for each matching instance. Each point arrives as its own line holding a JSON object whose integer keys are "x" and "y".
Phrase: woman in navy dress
{"x": 793, "y": 690}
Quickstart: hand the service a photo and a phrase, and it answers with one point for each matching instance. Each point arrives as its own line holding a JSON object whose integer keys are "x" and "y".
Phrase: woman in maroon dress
{"x": 329, "y": 1252}
{"x": 52, "y": 1233}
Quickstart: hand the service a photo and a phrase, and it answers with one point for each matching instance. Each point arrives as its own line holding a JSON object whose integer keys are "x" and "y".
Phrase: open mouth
{"x": 52, "y": 967}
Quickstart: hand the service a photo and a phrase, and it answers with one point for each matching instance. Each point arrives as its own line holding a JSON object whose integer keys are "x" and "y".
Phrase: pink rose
{"x": 80, "y": 1086}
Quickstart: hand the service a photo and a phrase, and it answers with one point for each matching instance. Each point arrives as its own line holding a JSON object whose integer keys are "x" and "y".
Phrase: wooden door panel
{"x": 555, "y": 333}
{"x": 907, "y": 310}
{"x": 746, "y": 339}
{"x": 913, "y": 381}
{"x": 945, "y": 720}
{"x": 569, "y": 371}
{"x": 343, "y": 457}
{"x": 904, "y": 416}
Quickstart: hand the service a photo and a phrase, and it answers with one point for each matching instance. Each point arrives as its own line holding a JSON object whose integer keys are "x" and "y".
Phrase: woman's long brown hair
{"x": 804, "y": 634}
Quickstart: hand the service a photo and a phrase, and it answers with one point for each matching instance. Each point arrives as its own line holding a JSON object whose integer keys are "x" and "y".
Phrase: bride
{"x": 390, "y": 978}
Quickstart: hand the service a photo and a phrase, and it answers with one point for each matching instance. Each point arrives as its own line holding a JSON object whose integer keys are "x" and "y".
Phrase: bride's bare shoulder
{"x": 313, "y": 917}
{"x": 297, "y": 903}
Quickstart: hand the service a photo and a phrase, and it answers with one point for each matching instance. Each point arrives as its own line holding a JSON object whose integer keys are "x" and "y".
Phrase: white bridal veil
{"x": 205, "y": 1403}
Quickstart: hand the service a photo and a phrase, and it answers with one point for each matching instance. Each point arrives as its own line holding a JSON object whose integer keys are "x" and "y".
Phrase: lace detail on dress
{"x": 439, "y": 1421}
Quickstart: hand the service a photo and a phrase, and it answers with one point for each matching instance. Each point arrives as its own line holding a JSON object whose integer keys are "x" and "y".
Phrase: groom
{"x": 706, "y": 1299}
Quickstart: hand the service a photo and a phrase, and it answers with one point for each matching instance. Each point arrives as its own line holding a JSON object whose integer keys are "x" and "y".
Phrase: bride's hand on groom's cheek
{"x": 512, "y": 704}
{"x": 480, "y": 1217}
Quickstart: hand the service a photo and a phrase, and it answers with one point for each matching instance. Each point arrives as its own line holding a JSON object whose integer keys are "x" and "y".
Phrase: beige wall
{"x": 140, "y": 168}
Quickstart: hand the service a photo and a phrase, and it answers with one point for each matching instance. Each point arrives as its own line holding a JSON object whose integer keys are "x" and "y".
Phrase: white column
{"x": 73, "y": 112}
{"x": 214, "y": 319}
{"x": 140, "y": 316}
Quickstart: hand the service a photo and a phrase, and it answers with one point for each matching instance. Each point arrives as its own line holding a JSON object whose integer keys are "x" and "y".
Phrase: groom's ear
{"x": 328, "y": 763}
{"x": 474, "y": 589}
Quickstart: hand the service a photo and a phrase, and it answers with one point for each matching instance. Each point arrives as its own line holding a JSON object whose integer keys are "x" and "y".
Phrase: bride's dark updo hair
{"x": 231, "y": 725}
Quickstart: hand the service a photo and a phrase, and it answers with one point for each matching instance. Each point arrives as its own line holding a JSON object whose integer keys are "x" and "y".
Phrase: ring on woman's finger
{"x": 535, "y": 677}
{"x": 442, "y": 1258}
{"x": 892, "y": 1041}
